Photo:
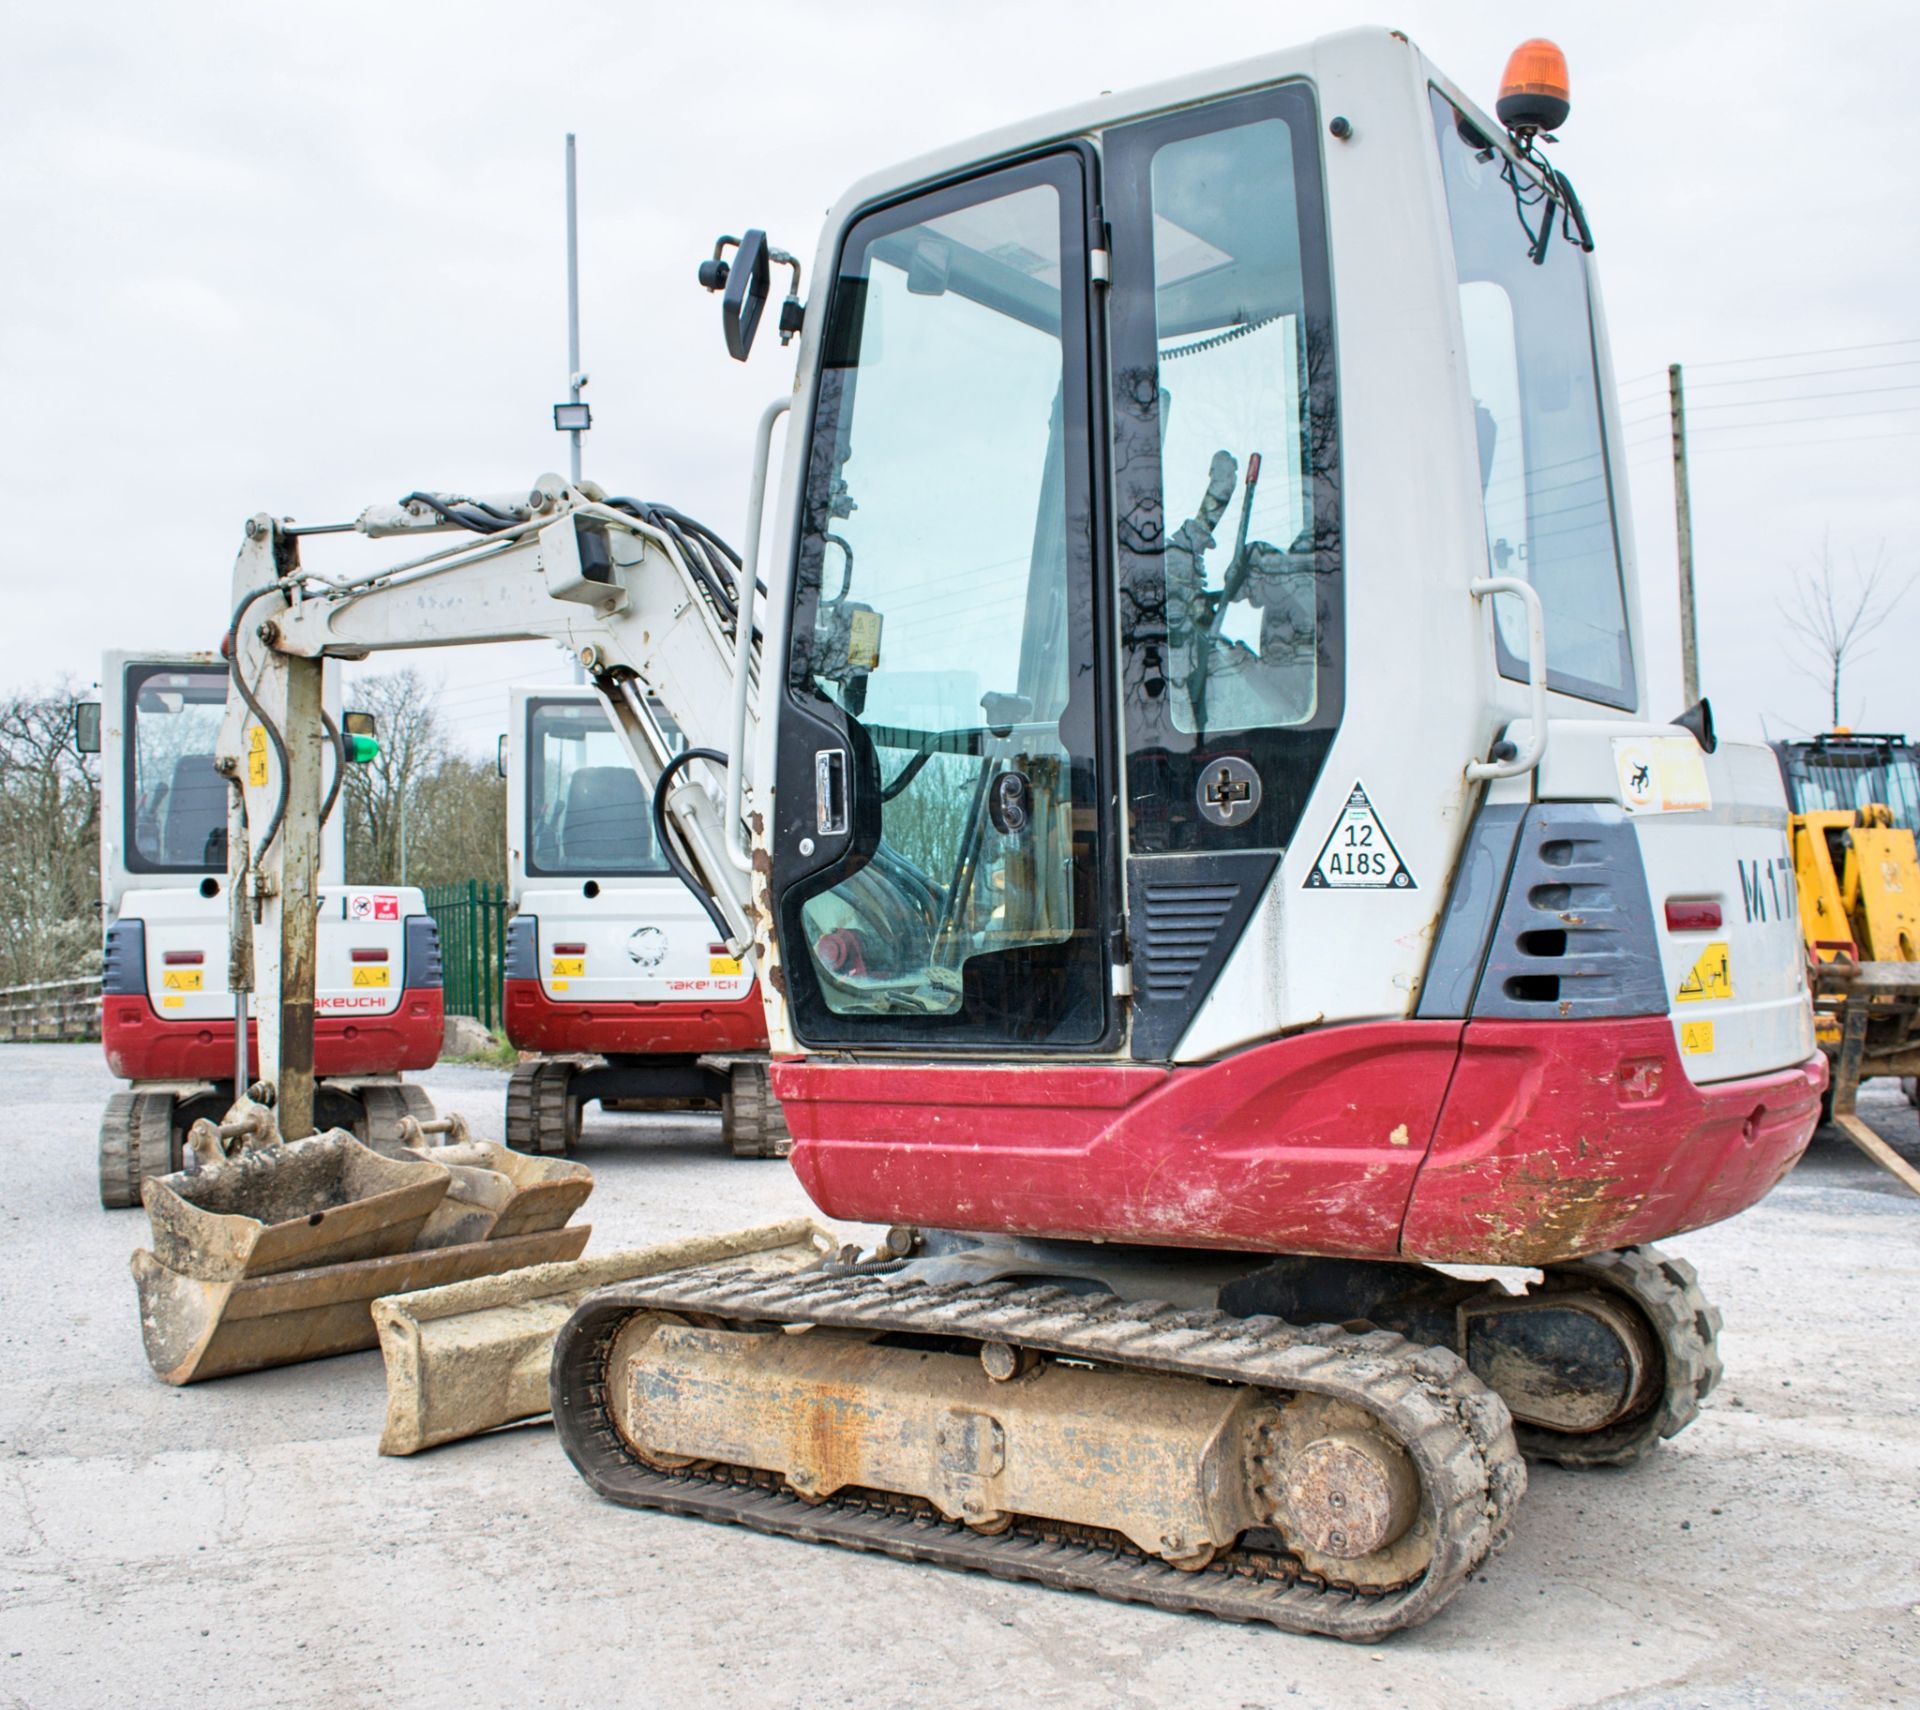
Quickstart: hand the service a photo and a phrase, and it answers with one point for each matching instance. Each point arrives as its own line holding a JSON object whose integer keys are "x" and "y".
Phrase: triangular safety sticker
{"x": 1358, "y": 855}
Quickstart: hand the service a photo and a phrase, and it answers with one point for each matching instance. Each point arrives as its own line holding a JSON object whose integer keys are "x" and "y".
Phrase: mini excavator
{"x": 1191, "y": 790}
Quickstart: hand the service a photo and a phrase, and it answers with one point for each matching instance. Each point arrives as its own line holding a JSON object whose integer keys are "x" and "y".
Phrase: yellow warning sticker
{"x": 863, "y": 641}
{"x": 1696, "y": 1037}
{"x": 1661, "y": 774}
{"x": 256, "y": 756}
{"x": 181, "y": 980}
{"x": 370, "y": 977}
{"x": 1710, "y": 980}
{"x": 559, "y": 985}
{"x": 173, "y": 1003}
{"x": 569, "y": 966}
{"x": 723, "y": 965}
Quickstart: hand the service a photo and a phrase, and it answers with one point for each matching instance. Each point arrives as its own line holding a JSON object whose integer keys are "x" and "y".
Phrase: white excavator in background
{"x": 1209, "y": 842}
{"x": 168, "y": 1016}
{"x": 614, "y": 977}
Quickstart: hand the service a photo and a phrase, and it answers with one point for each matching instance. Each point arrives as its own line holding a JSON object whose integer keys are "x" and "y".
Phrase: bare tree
{"x": 49, "y": 841}
{"x": 451, "y": 810}
{"x": 1834, "y": 621}
{"x": 382, "y": 796}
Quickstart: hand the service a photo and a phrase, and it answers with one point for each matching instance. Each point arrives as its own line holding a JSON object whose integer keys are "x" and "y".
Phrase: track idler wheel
{"x": 543, "y": 1116}
{"x": 1680, "y": 1332}
{"x": 139, "y": 1140}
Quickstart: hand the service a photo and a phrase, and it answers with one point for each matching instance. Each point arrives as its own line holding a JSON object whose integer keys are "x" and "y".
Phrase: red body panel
{"x": 1304, "y": 1145}
{"x": 141, "y": 1046}
{"x": 535, "y": 1022}
{"x": 1571, "y": 1138}
{"x": 1515, "y": 1143}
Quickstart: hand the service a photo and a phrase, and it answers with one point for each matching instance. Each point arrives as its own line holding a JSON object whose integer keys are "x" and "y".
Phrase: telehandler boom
{"x": 1194, "y": 803}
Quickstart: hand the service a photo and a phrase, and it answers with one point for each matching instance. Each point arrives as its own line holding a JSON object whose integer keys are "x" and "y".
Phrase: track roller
{"x": 750, "y": 1116}
{"x": 543, "y": 1115}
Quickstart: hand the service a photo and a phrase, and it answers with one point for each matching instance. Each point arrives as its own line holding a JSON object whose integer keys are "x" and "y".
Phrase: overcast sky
{"x": 303, "y": 258}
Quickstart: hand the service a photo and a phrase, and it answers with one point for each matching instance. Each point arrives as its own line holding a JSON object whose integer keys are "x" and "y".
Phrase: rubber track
{"x": 756, "y": 1123}
{"x": 1666, "y": 1290}
{"x": 537, "y": 1107}
{"x": 1457, "y": 1431}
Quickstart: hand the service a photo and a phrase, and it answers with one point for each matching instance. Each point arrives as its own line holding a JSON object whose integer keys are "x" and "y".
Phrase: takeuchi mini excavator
{"x": 167, "y": 1016}
{"x": 614, "y": 973}
{"x": 1210, "y": 845}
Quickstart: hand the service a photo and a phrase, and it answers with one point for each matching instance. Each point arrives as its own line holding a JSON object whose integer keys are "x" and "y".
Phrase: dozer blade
{"x": 276, "y": 1255}
{"x": 474, "y": 1355}
{"x": 197, "y": 1329}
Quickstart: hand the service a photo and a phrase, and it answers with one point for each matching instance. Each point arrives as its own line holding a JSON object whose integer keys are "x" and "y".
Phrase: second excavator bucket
{"x": 474, "y": 1355}
{"x": 497, "y": 1193}
{"x": 275, "y": 1255}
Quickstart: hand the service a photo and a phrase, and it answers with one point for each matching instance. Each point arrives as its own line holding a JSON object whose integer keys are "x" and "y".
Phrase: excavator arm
{"x": 648, "y": 608}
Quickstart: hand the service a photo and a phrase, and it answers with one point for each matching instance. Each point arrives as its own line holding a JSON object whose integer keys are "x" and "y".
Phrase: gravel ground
{"x": 241, "y": 1544}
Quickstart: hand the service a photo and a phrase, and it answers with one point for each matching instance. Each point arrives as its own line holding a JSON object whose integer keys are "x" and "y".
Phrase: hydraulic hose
{"x": 671, "y": 855}
{"x": 259, "y": 712}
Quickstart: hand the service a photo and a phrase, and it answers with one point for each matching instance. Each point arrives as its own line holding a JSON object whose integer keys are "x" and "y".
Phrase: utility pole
{"x": 1683, "y": 531}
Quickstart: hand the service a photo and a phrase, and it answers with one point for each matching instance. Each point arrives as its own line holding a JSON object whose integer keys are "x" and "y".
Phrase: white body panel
{"x": 181, "y": 922}
{"x": 603, "y": 937}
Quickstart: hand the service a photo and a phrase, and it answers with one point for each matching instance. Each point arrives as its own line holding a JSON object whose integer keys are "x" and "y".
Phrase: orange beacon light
{"x": 1534, "y": 93}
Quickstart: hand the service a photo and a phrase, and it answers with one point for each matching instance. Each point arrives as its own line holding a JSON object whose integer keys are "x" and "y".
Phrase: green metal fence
{"x": 473, "y": 928}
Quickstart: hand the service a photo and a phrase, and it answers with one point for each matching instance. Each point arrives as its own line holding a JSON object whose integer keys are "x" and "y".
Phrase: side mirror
{"x": 86, "y": 726}
{"x": 749, "y": 281}
{"x": 1697, "y": 721}
{"x": 500, "y": 755}
{"x": 361, "y": 737}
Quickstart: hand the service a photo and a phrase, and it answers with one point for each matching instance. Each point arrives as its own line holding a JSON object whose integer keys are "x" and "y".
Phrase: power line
{"x": 1795, "y": 355}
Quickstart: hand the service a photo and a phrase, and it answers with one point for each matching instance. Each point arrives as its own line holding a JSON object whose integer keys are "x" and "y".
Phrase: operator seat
{"x": 606, "y": 828}
{"x": 194, "y": 831}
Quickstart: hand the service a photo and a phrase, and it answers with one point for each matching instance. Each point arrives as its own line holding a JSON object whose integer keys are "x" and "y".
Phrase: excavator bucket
{"x": 474, "y": 1355}
{"x": 275, "y": 1255}
{"x": 497, "y": 1193}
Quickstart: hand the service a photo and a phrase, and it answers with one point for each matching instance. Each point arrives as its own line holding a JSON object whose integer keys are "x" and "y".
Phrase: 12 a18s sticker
{"x": 1358, "y": 854}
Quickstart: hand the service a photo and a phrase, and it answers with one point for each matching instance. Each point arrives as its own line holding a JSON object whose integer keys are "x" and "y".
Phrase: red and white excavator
{"x": 1210, "y": 843}
{"x": 614, "y": 976}
{"x": 168, "y": 1012}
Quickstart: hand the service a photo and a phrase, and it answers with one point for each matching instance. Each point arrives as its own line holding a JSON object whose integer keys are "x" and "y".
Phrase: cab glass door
{"x": 939, "y": 853}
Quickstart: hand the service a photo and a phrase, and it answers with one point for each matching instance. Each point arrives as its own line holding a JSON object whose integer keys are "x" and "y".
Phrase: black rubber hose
{"x": 476, "y": 520}
{"x": 253, "y": 706}
{"x": 339, "y": 765}
{"x": 671, "y": 855}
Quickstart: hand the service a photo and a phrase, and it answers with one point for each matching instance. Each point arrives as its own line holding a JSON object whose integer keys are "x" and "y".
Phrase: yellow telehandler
{"x": 1856, "y": 804}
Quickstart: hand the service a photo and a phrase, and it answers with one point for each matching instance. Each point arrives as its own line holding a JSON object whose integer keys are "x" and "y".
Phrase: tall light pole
{"x": 574, "y": 417}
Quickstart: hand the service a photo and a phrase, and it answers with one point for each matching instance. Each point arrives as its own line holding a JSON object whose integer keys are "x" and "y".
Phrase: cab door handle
{"x": 830, "y": 792}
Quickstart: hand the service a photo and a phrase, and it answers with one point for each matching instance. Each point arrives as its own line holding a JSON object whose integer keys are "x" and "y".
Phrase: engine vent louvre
{"x": 1178, "y": 927}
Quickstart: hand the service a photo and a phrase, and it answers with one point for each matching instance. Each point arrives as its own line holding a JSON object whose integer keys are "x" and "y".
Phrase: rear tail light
{"x": 184, "y": 958}
{"x": 1687, "y": 914}
{"x": 374, "y": 955}
{"x": 569, "y": 949}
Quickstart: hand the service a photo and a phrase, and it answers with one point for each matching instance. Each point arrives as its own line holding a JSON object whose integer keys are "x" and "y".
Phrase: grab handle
{"x": 1528, "y": 758}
